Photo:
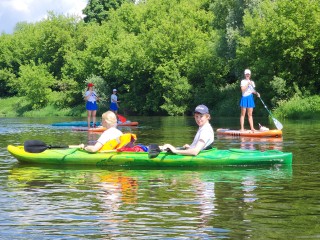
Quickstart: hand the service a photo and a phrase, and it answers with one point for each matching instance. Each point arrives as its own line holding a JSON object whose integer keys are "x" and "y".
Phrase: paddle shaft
{"x": 276, "y": 122}
{"x": 265, "y": 106}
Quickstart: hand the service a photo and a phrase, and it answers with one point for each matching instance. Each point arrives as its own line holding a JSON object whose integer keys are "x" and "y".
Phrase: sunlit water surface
{"x": 262, "y": 202}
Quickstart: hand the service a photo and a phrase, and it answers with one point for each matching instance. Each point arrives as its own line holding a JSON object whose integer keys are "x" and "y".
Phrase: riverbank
{"x": 295, "y": 108}
{"x": 18, "y": 107}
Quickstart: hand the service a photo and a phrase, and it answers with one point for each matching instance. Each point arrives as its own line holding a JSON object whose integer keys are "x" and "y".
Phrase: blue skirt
{"x": 91, "y": 106}
{"x": 113, "y": 107}
{"x": 247, "y": 102}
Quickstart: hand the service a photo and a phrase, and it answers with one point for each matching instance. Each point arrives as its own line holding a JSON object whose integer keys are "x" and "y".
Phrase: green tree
{"x": 35, "y": 83}
{"x": 281, "y": 40}
{"x": 98, "y": 10}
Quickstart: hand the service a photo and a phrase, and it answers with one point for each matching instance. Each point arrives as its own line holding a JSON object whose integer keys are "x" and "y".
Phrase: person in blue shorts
{"x": 247, "y": 101}
{"x": 114, "y": 102}
{"x": 91, "y": 98}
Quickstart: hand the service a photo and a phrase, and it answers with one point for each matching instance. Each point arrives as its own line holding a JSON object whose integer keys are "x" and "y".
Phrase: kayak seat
{"x": 126, "y": 139}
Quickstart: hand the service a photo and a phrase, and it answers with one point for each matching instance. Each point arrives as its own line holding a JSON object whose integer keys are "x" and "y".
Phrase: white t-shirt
{"x": 206, "y": 134}
{"x": 109, "y": 134}
{"x": 114, "y": 98}
{"x": 92, "y": 97}
{"x": 250, "y": 89}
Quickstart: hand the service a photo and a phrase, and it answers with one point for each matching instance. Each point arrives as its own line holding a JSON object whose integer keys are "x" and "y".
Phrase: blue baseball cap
{"x": 201, "y": 109}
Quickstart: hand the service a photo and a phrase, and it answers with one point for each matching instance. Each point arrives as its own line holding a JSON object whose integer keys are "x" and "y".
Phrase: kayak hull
{"x": 247, "y": 133}
{"x": 207, "y": 158}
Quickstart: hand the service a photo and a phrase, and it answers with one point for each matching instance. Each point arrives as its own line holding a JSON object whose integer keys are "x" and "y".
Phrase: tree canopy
{"x": 166, "y": 56}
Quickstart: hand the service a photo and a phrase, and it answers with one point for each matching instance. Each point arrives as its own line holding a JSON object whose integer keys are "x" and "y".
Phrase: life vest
{"x": 126, "y": 139}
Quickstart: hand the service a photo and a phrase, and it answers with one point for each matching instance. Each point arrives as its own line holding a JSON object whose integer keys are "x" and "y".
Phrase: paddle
{"x": 154, "y": 150}
{"x": 276, "y": 122}
{"x": 122, "y": 118}
{"x": 37, "y": 146}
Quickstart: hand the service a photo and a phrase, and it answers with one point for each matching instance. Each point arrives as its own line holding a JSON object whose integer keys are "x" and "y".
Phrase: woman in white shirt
{"x": 247, "y": 101}
{"x": 91, "y": 98}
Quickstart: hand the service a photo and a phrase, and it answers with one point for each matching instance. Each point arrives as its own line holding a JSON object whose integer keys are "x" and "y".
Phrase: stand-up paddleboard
{"x": 102, "y": 129}
{"x": 248, "y": 133}
{"x": 74, "y": 124}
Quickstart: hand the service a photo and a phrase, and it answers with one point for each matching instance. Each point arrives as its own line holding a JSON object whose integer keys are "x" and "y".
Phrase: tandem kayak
{"x": 248, "y": 133}
{"x": 206, "y": 158}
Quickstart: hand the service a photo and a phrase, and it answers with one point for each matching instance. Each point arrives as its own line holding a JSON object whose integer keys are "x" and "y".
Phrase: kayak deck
{"x": 248, "y": 133}
{"x": 206, "y": 158}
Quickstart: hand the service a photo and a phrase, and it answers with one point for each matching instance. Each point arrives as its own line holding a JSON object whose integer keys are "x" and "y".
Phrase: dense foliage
{"x": 166, "y": 56}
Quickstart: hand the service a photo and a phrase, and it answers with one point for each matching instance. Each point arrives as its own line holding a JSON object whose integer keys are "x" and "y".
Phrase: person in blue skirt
{"x": 114, "y": 102}
{"x": 247, "y": 101}
{"x": 91, "y": 98}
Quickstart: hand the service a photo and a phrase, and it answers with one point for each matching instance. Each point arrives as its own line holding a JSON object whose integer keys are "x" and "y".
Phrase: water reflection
{"x": 118, "y": 188}
{"x": 254, "y": 143}
{"x": 77, "y": 203}
{"x": 192, "y": 202}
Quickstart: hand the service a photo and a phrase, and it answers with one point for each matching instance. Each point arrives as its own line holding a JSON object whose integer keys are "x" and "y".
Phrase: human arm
{"x": 187, "y": 151}
{"x": 248, "y": 85}
{"x": 91, "y": 148}
{"x": 87, "y": 95}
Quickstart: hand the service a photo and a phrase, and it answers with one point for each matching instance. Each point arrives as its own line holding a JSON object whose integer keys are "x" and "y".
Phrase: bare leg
{"x": 250, "y": 119}
{"x": 94, "y": 117}
{"x": 89, "y": 116}
{"x": 242, "y": 115}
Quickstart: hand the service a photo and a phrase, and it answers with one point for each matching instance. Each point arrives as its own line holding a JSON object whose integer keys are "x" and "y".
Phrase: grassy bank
{"x": 300, "y": 108}
{"x": 19, "y": 107}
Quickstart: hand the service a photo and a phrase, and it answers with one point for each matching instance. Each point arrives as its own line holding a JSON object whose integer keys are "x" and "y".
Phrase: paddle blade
{"x": 122, "y": 118}
{"x": 277, "y": 123}
{"x": 37, "y": 146}
{"x": 154, "y": 150}
{"x": 34, "y": 146}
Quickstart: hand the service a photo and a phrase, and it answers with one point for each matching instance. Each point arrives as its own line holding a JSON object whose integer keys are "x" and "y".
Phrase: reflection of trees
{"x": 166, "y": 203}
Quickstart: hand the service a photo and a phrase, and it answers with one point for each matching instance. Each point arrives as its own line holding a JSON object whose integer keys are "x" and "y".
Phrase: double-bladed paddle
{"x": 37, "y": 146}
{"x": 154, "y": 150}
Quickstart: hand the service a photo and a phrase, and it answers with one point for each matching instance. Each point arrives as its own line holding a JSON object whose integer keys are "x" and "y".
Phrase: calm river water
{"x": 272, "y": 202}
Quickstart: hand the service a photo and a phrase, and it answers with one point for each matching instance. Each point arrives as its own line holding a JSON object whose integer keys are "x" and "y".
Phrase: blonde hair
{"x": 110, "y": 118}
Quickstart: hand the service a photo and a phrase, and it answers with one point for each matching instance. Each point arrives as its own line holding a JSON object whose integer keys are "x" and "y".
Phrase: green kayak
{"x": 206, "y": 158}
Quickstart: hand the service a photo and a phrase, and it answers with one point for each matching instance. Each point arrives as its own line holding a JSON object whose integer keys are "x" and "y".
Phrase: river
{"x": 58, "y": 202}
